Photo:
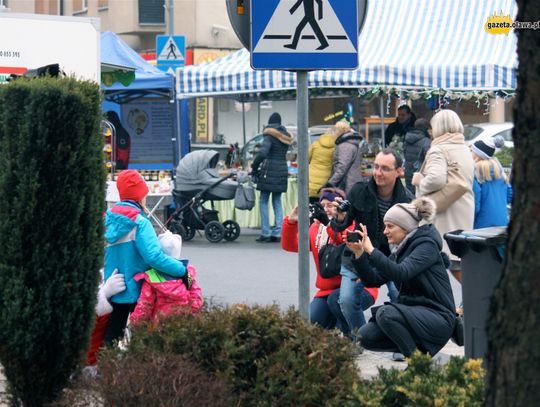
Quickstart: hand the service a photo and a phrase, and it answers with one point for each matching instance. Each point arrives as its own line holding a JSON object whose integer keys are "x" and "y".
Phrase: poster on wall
{"x": 204, "y": 123}
{"x": 149, "y": 124}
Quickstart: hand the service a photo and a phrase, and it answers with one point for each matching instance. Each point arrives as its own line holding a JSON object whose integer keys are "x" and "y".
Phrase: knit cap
{"x": 131, "y": 186}
{"x": 275, "y": 118}
{"x": 409, "y": 215}
{"x": 486, "y": 148}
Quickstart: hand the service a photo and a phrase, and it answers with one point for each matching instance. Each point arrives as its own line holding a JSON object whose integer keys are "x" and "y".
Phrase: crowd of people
{"x": 366, "y": 232}
{"x": 389, "y": 231}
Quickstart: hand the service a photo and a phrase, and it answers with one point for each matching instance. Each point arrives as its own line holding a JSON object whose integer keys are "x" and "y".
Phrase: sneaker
{"x": 398, "y": 357}
{"x": 263, "y": 239}
{"x": 275, "y": 239}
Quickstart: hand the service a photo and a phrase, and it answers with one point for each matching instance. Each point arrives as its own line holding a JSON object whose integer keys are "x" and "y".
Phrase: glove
{"x": 316, "y": 211}
{"x": 114, "y": 284}
{"x": 187, "y": 280}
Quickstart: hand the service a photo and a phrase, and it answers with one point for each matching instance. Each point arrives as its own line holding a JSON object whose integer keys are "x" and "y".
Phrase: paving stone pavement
{"x": 368, "y": 362}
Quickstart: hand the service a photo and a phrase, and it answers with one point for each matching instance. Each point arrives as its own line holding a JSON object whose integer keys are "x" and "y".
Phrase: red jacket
{"x": 289, "y": 242}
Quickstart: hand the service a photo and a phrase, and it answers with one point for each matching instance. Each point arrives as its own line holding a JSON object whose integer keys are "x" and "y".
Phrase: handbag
{"x": 330, "y": 259}
{"x": 456, "y": 186}
{"x": 244, "y": 197}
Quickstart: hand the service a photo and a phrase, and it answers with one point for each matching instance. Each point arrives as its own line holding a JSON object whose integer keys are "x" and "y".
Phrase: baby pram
{"x": 197, "y": 181}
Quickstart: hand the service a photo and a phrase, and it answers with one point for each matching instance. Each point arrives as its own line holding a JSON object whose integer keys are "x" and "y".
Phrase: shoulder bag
{"x": 456, "y": 186}
{"x": 330, "y": 259}
{"x": 244, "y": 196}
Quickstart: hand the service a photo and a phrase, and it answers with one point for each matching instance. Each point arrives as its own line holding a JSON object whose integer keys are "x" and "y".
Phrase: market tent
{"x": 406, "y": 44}
{"x": 148, "y": 79}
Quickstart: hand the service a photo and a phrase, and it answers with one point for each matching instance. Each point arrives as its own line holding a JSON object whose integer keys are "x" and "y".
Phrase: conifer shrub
{"x": 51, "y": 247}
{"x": 459, "y": 383}
{"x": 265, "y": 357}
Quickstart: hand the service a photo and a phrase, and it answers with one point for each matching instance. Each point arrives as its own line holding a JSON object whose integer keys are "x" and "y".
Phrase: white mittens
{"x": 114, "y": 284}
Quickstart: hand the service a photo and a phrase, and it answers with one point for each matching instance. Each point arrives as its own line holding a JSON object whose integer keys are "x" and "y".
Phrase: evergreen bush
{"x": 265, "y": 357}
{"x": 459, "y": 383}
{"x": 51, "y": 247}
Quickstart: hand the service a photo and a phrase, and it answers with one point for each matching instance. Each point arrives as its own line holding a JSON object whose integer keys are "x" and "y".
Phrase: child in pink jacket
{"x": 163, "y": 295}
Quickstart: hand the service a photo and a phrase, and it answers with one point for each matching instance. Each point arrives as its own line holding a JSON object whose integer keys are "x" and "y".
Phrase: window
{"x": 102, "y": 4}
{"x": 151, "y": 12}
{"x": 80, "y": 5}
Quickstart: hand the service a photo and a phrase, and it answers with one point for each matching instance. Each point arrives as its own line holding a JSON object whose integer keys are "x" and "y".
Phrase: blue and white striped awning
{"x": 406, "y": 44}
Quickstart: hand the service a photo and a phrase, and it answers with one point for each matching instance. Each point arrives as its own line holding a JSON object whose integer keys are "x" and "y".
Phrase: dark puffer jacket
{"x": 415, "y": 147}
{"x": 425, "y": 295}
{"x": 269, "y": 167}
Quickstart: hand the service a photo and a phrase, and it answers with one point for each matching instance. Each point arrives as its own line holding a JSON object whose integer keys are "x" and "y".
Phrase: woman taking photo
{"x": 423, "y": 317}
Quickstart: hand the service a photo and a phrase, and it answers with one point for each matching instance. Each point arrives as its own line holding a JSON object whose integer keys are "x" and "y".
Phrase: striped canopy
{"x": 405, "y": 44}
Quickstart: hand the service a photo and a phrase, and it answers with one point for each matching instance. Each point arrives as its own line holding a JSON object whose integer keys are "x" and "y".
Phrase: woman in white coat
{"x": 448, "y": 138}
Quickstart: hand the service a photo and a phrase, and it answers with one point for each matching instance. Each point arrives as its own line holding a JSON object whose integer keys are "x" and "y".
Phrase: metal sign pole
{"x": 302, "y": 106}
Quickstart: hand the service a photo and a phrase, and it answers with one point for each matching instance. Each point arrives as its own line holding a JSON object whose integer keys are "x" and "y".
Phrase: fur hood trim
{"x": 285, "y": 138}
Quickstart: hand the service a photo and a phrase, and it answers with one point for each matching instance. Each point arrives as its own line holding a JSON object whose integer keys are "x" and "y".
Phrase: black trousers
{"x": 117, "y": 322}
{"x": 389, "y": 333}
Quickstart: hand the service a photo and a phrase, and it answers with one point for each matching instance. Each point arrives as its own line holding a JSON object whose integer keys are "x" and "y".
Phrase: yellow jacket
{"x": 320, "y": 162}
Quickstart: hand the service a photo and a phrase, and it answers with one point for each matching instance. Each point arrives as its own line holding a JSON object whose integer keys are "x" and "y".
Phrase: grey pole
{"x": 244, "y": 122}
{"x": 302, "y": 106}
{"x": 381, "y": 108}
{"x": 171, "y": 17}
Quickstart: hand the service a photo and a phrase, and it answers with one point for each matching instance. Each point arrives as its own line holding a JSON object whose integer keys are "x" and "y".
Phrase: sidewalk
{"x": 369, "y": 362}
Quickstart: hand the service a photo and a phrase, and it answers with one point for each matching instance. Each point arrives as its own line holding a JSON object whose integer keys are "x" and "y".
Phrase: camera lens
{"x": 344, "y": 206}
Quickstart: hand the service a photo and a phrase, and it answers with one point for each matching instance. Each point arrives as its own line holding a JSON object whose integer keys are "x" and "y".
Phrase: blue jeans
{"x": 278, "y": 214}
{"x": 320, "y": 314}
{"x": 349, "y": 302}
{"x": 392, "y": 291}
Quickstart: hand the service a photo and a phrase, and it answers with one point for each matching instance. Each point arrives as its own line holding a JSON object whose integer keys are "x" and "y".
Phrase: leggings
{"x": 117, "y": 322}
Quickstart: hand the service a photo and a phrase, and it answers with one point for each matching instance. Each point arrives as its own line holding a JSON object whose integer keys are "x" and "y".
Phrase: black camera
{"x": 343, "y": 206}
{"x": 316, "y": 211}
{"x": 353, "y": 236}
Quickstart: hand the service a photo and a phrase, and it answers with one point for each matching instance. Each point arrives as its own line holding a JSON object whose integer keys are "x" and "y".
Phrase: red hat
{"x": 131, "y": 185}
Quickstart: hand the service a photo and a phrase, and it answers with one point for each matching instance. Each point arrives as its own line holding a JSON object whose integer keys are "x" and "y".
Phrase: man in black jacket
{"x": 370, "y": 201}
{"x": 404, "y": 122}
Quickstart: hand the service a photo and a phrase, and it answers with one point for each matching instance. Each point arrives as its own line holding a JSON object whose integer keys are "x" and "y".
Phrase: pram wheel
{"x": 232, "y": 230}
{"x": 185, "y": 231}
{"x": 214, "y": 231}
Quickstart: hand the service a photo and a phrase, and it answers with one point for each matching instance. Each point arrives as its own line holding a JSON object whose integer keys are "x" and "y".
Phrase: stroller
{"x": 197, "y": 181}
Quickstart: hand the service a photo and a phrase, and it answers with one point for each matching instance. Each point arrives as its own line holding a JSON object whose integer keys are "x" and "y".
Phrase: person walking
{"x": 448, "y": 144}
{"x": 415, "y": 146}
{"x": 423, "y": 317}
{"x": 132, "y": 247}
{"x": 490, "y": 186}
{"x": 321, "y": 154}
{"x": 270, "y": 172}
{"x": 347, "y": 158}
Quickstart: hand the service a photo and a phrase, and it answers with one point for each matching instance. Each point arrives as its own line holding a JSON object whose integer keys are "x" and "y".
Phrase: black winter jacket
{"x": 425, "y": 294}
{"x": 415, "y": 147}
{"x": 364, "y": 209}
{"x": 397, "y": 129}
{"x": 269, "y": 167}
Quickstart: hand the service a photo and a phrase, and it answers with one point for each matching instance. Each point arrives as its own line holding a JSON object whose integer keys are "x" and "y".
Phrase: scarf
{"x": 456, "y": 138}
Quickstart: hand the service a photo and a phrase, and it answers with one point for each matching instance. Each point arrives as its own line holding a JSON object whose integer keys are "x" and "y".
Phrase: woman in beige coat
{"x": 448, "y": 138}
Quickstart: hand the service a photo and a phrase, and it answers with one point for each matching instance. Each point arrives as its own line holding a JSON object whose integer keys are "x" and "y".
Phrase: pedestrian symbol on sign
{"x": 309, "y": 18}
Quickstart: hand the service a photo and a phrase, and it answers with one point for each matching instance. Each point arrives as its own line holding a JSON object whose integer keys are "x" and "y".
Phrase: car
{"x": 250, "y": 149}
{"x": 484, "y": 131}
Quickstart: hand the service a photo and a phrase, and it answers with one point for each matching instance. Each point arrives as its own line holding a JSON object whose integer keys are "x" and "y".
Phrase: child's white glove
{"x": 115, "y": 284}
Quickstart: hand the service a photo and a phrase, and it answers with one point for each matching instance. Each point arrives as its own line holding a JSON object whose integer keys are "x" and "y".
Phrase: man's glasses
{"x": 383, "y": 168}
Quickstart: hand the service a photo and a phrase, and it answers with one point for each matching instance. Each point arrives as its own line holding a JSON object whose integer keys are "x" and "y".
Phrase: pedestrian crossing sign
{"x": 170, "y": 51}
{"x": 304, "y": 34}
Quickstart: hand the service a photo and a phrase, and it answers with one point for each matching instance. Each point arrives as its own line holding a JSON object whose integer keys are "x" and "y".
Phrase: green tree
{"x": 52, "y": 188}
{"x": 514, "y": 326}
